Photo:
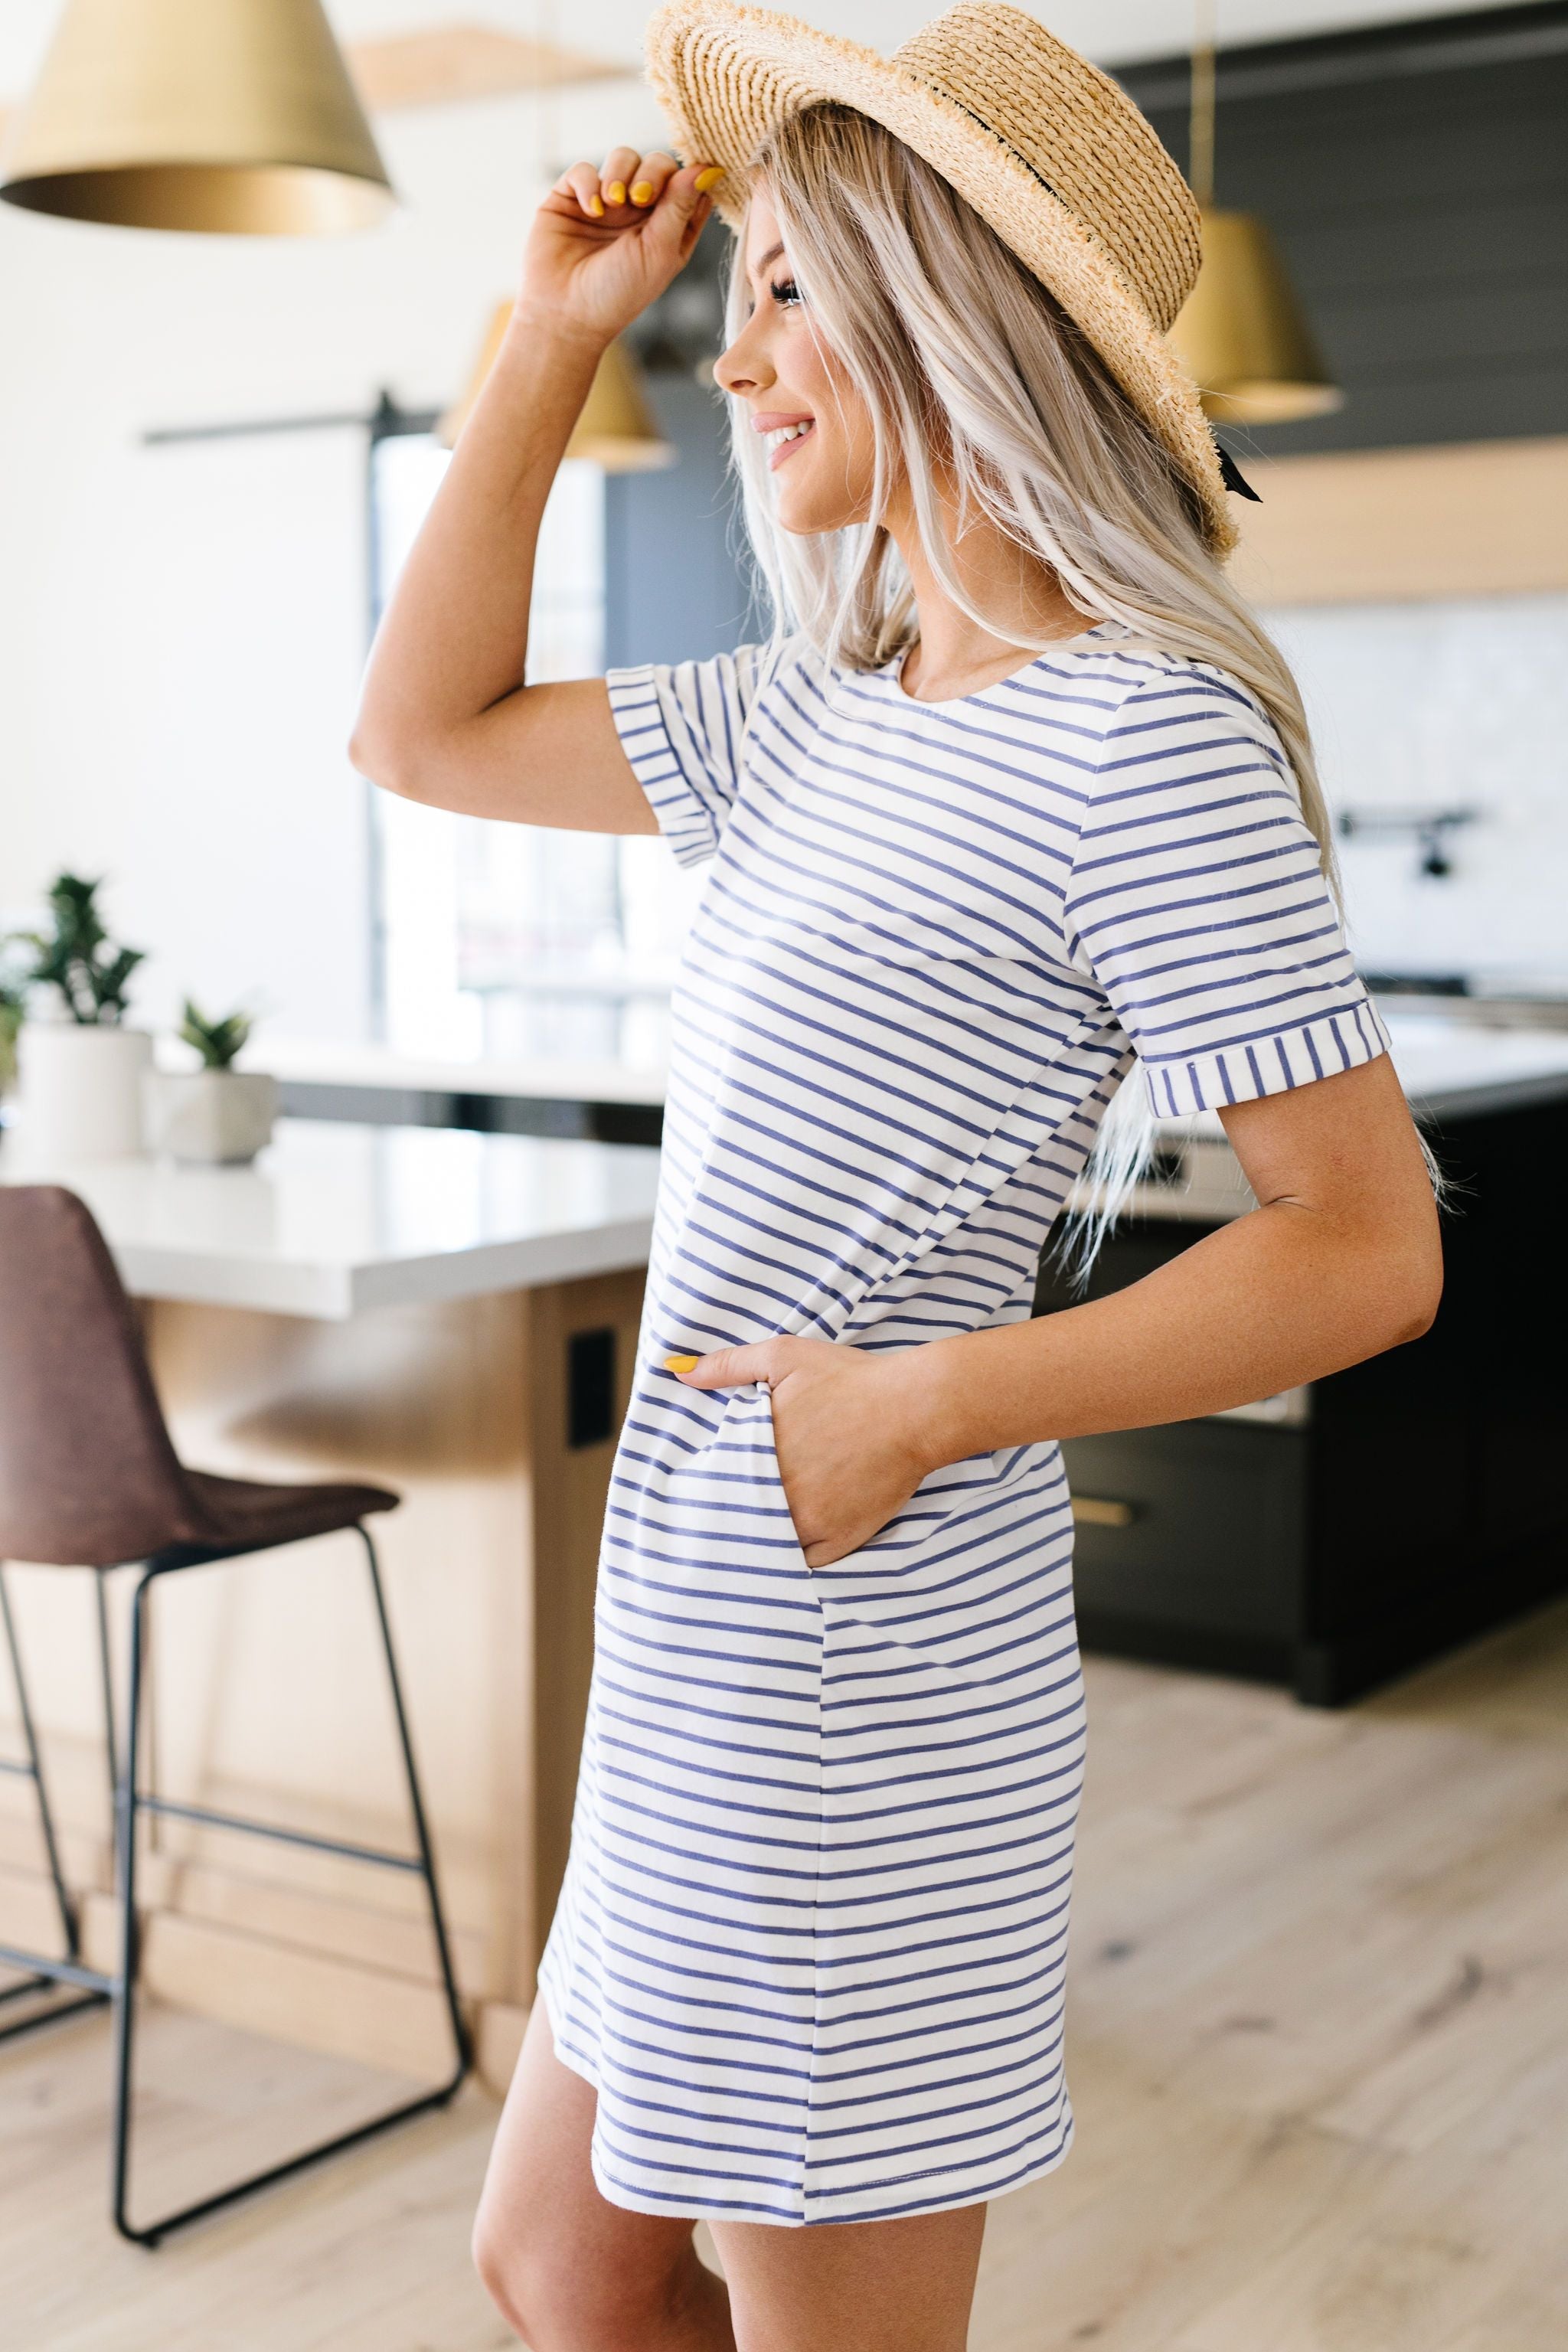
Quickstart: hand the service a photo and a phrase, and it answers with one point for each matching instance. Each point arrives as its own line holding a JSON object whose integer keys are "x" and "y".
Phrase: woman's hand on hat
{"x": 849, "y": 1454}
{"x": 607, "y": 239}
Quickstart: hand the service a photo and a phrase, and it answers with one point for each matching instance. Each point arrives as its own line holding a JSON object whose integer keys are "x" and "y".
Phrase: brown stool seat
{"x": 253, "y": 1514}
{"x": 88, "y": 1475}
{"x": 89, "y": 1479}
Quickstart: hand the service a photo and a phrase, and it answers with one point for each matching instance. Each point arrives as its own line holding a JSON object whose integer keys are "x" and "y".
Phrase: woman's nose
{"x": 743, "y": 368}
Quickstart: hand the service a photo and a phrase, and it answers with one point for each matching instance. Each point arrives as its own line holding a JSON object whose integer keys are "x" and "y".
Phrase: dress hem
{"x": 678, "y": 2209}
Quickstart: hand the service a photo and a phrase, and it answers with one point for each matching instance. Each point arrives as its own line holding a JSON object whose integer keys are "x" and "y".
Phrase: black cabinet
{"x": 1191, "y": 1543}
{"x": 1420, "y": 1501}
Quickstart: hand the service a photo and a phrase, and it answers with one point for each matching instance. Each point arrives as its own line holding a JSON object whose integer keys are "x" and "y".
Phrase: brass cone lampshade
{"x": 1242, "y": 334}
{"x": 230, "y": 116}
{"x": 616, "y": 430}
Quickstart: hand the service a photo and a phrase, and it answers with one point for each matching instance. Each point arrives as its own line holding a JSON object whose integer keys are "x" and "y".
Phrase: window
{"x": 511, "y": 941}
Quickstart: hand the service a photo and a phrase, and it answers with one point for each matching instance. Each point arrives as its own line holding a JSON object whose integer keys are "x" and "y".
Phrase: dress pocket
{"x": 940, "y": 1520}
{"x": 765, "y": 1390}
{"x": 723, "y": 1507}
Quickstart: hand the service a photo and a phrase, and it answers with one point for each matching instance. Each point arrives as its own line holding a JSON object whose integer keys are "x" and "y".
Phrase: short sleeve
{"x": 682, "y": 730}
{"x": 1198, "y": 902}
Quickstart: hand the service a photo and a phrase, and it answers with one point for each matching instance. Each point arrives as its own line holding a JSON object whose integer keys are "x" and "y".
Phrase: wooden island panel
{"x": 268, "y": 1698}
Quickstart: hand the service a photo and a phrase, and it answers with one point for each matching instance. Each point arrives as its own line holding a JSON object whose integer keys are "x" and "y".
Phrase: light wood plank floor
{"x": 1319, "y": 2052}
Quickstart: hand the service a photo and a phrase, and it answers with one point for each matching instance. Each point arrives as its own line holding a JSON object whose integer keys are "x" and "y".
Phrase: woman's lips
{"x": 787, "y": 449}
{"x": 772, "y": 427}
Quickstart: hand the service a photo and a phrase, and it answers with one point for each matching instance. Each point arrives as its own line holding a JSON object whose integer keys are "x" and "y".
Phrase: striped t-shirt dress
{"x": 811, "y": 1942}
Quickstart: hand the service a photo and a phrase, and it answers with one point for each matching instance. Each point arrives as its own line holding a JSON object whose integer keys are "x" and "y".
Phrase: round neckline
{"x": 893, "y": 671}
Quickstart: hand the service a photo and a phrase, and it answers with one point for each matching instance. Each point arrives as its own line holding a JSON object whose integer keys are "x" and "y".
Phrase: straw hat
{"x": 1044, "y": 146}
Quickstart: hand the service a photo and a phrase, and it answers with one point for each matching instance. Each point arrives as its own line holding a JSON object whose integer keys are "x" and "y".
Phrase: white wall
{"x": 1106, "y": 30}
{"x": 181, "y": 629}
{"x": 1447, "y": 705}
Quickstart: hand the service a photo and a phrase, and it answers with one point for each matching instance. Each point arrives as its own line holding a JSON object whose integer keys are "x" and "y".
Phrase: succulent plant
{"x": 78, "y": 958}
{"x": 13, "y": 1004}
{"x": 218, "y": 1042}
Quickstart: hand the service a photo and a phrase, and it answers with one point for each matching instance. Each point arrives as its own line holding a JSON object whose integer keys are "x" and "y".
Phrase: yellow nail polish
{"x": 680, "y": 1363}
{"x": 595, "y": 207}
{"x": 617, "y": 192}
{"x": 642, "y": 192}
{"x": 708, "y": 179}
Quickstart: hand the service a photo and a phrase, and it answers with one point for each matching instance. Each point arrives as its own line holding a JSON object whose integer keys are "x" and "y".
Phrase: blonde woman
{"x": 1017, "y": 806}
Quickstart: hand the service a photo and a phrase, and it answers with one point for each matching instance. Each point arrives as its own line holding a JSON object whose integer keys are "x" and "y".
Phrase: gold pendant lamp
{"x": 1242, "y": 335}
{"x": 235, "y": 117}
{"x": 616, "y": 430}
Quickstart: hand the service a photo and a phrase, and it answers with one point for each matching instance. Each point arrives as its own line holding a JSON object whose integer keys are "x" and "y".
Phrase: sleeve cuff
{"x": 636, "y": 706}
{"x": 1271, "y": 1063}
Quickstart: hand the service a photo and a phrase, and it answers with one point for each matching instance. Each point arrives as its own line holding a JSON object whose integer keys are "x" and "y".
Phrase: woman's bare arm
{"x": 1340, "y": 1260}
{"x": 446, "y": 714}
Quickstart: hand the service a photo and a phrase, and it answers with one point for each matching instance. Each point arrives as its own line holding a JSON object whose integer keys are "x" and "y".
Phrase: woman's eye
{"x": 785, "y": 292}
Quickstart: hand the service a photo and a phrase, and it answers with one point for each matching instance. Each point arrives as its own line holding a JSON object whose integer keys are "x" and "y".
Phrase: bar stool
{"x": 89, "y": 1478}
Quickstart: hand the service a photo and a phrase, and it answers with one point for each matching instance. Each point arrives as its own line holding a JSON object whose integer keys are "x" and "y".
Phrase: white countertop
{"x": 322, "y": 1061}
{"x": 334, "y": 1219}
{"x": 1446, "y": 1069}
{"x": 1449, "y": 1067}
{"x": 1446, "y": 1065}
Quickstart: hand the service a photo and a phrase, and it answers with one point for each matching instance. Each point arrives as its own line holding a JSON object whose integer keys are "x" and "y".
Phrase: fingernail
{"x": 707, "y": 178}
{"x": 595, "y": 207}
{"x": 680, "y": 1363}
{"x": 617, "y": 192}
{"x": 642, "y": 192}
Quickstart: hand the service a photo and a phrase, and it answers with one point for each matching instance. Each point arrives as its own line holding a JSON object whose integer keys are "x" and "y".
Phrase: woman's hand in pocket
{"x": 848, "y": 1448}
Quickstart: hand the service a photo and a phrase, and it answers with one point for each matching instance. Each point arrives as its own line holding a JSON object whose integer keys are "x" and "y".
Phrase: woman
{"x": 1019, "y": 796}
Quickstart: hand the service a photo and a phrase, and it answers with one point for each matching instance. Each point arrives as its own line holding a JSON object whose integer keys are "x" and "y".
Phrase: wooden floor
{"x": 1318, "y": 2050}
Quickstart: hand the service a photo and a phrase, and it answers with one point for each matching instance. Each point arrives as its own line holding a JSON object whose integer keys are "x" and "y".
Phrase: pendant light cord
{"x": 548, "y": 110}
{"x": 1200, "y": 136}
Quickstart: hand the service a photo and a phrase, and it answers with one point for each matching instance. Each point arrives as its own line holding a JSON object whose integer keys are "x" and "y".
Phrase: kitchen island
{"x": 453, "y": 1314}
{"x": 450, "y": 1314}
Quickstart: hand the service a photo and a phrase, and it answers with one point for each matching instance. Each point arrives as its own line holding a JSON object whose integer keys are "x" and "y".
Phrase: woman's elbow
{"x": 1418, "y": 1292}
{"x": 392, "y": 767}
{"x": 1419, "y": 1315}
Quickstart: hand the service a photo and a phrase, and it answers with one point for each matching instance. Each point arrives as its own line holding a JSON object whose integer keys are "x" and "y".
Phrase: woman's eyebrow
{"x": 771, "y": 254}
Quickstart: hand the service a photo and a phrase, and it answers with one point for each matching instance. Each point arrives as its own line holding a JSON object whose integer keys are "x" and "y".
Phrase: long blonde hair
{"x": 964, "y": 361}
{"x": 967, "y": 363}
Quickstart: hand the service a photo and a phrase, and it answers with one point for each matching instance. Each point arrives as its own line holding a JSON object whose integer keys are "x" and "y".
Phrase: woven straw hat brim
{"x": 726, "y": 76}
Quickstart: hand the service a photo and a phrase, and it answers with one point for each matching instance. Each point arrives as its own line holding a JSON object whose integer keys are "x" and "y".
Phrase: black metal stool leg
{"x": 462, "y": 2053}
{"x": 70, "y": 1925}
{"x": 106, "y": 1681}
{"x": 125, "y": 1807}
{"x": 132, "y": 1804}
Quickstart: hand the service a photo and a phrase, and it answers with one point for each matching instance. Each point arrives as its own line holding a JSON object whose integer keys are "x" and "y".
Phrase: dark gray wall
{"x": 1417, "y": 177}
{"x": 674, "y": 573}
{"x": 678, "y": 580}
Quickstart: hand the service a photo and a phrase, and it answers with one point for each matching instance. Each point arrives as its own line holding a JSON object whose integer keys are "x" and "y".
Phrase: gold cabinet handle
{"x": 1097, "y": 1511}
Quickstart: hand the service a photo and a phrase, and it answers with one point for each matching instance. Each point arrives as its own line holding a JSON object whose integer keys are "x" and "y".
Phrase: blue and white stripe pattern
{"x": 811, "y": 1945}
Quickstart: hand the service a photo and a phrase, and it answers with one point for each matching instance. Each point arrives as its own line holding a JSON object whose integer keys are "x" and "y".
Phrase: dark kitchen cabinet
{"x": 1418, "y": 1500}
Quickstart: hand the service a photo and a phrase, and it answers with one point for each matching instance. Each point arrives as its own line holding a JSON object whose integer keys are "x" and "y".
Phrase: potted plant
{"x": 13, "y": 1004}
{"x": 215, "y": 1113}
{"x": 79, "y": 1071}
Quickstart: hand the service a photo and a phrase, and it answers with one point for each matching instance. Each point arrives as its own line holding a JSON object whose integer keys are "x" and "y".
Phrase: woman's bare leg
{"x": 569, "y": 2271}
{"x": 856, "y": 2286}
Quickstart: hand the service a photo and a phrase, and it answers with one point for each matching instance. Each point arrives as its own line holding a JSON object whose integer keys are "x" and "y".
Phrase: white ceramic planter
{"x": 222, "y": 1116}
{"x": 78, "y": 1090}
